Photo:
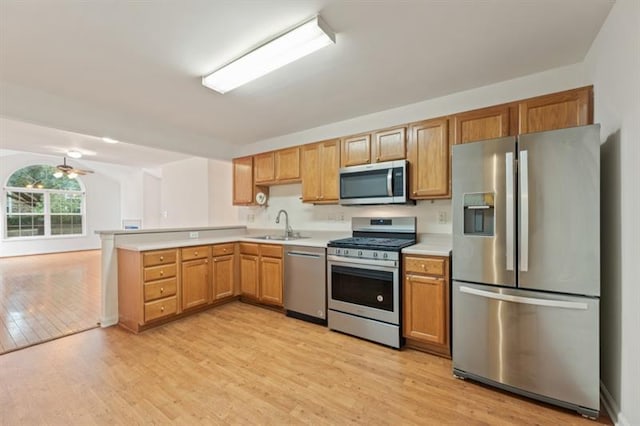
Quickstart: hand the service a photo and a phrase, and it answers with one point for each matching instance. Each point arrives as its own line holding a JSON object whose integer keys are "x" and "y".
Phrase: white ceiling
{"x": 131, "y": 69}
{"x": 26, "y": 137}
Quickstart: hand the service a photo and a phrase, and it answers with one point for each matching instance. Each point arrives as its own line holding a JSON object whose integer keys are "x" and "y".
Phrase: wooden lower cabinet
{"x": 196, "y": 277}
{"x": 147, "y": 287}
{"x": 426, "y": 317}
{"x": 262, "y": 273}
{"x": 223, "y": 276}
{"x": 271, "y": 278}
{"x": 154, "y": 286}
{"x": 195, "y": 283}
{"x": 249, "y": 274}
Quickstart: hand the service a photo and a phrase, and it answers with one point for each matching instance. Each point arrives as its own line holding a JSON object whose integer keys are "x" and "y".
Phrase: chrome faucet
{"x": 288, "y": 232}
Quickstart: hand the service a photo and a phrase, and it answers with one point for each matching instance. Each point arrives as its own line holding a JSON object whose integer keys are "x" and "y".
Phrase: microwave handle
{"x": 390, "y": 182}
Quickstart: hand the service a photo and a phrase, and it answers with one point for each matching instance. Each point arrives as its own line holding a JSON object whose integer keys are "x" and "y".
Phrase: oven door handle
{"x": 350, "y": 261}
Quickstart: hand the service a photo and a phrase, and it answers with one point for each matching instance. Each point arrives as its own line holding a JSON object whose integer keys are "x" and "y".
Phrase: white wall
{"x": 554, "y": 80}
{"x": 102, "y": 204}
{"x": 151, "y": 204}
{"x": 337, "y": 218}
{"x": 184, "y": 193}
{"x": 613, "y": 64}
{"x": 221, "y": 210}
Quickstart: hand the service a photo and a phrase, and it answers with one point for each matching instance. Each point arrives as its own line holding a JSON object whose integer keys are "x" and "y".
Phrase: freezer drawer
{"x": 544, "y": 345}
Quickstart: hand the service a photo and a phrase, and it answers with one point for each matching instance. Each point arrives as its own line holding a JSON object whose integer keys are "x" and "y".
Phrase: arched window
{"x": 41, "y": 202}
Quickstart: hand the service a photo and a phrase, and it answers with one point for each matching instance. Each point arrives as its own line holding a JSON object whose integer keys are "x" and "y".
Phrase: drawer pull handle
{"x": 161, "y": 272}
{"x": 161, "y": 308}
{"x": 161, "y": 290}
{"x": 196, "y": 253}
{"x": 423, "y": 266}
{"x": 161, "y": 258}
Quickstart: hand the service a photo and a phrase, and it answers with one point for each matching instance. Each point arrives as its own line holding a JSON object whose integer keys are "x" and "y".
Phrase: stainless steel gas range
{"x": 364, "y": 278}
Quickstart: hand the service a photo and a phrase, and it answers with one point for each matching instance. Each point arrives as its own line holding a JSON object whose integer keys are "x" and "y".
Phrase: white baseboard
{"x": 612, "y": 408}
{"x": 108, "y": 322}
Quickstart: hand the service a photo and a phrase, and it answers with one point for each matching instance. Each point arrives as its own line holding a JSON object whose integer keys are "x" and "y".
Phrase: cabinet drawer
{"x": 162, "y": 288}
{"x": 425, "y": 265}
{"x": 161, "y": 257}
{"x": 190, "y": 253}
{"x": 160, "y": 308}
{"x": 223, "y": 249}
{"x": 158, "y": 272}
{"x": 249, "y": 248}
{"x": 270, "y": 250}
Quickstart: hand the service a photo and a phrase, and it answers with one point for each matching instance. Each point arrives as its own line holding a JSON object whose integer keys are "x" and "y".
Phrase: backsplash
{"x": 303, "y": 216}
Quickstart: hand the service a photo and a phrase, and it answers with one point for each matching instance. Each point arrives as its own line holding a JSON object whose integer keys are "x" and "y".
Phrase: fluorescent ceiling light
{"x": 306, "y": 38}
{"x": 109, "y": 140}
{"x": 74, "y": 154}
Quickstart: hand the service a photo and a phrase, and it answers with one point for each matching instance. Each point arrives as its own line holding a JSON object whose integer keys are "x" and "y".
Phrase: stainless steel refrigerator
{"x": 526, "y": 265}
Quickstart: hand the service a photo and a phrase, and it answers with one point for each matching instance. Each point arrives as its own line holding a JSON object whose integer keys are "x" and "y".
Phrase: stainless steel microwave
{"x": 378, "y": 183}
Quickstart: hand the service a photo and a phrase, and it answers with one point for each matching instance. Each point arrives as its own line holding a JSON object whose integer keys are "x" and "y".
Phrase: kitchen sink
{"x": 279, "y": 237}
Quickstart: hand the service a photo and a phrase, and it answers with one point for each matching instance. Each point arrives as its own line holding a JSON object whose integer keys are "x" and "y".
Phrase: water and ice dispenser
{"x": 479, "y": 214}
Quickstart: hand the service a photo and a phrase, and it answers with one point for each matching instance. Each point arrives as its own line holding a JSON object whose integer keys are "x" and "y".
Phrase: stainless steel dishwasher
{"x": 305, "y": 283}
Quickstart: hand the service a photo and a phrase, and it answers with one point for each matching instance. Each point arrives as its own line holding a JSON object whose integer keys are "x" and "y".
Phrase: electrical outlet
{"x": 251, "y": 217}
{"x": 193, "y": 235}
{"x": 340, "y": 217}
{"x": 442, "y": 217}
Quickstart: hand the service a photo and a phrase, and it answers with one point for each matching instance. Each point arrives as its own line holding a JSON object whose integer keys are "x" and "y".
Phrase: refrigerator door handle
{"x": 510, "y": 209}
{"x": 524, "y": 210}
{"x": 525, "y": 300}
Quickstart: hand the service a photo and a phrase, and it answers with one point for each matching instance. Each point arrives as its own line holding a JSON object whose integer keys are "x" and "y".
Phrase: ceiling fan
{"x": 71, "y": 172}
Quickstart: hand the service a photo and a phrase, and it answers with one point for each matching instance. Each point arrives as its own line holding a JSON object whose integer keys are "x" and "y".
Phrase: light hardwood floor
{"x": 242, "y": 364}
{"x": 47, "y": 296}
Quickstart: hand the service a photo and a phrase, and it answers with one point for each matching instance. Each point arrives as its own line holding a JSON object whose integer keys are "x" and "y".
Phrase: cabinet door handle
{"x": 161, "y": 272}
{"x": 161, "y": 308}
{"x": 161, "y": 290}
{"x": 196, "y": 253}
{"x": 161, "y": 258}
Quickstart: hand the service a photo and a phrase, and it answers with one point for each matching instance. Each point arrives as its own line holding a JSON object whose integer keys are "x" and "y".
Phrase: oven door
{"x": 365, "y": 288}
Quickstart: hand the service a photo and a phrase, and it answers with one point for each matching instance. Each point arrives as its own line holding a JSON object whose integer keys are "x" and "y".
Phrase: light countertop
{"x": 428, "y": 244}
{"x": 431, "y": 245}
{"x": 312, "y": 239}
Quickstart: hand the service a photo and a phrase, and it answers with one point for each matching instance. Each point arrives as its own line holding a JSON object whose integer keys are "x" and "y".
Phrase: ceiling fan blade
{"x": 81, "y": 171}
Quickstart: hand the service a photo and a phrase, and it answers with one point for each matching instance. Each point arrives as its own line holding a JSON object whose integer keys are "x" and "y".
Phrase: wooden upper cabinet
{"x": 428, "y": 155}
{"x": 282, "y": 166}
{"x": 320, "y": 163}
{"x": 556, "y": 111}
{"x": 389, "y": 145}
{"x": 243, "y": 187}
{"x": 287, "y": 162}
{"x": 486, "y": 123}
{"x": 356, "y": 150}
{"x": 265, "y": 168}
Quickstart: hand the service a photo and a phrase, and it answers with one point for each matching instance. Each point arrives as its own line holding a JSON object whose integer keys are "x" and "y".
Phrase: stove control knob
{"x": 346, "y": 252}
{"x": 385, "y": 255}
{"x": 338, "y": 251}
{"x": 359, "y": 252}
{"x": 375, "y": 254}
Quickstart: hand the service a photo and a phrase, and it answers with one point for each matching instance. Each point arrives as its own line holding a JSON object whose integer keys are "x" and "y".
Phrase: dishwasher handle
{"x": 305, "y": 254}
